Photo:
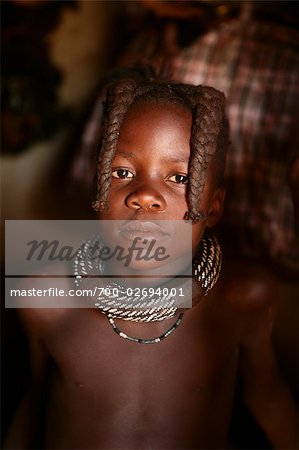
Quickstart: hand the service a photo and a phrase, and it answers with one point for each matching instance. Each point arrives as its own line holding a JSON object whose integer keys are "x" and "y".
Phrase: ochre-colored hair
{"x": 209, "y": 133}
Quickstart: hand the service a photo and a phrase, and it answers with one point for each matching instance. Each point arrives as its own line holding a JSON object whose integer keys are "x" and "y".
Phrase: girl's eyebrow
{"x": 126, "y": 154}
{"x": 176, "y": 159}
{"x": 169, "y": 158}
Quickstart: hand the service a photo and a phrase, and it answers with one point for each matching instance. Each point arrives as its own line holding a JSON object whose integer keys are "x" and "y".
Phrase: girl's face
{"x": 150, "y": 169}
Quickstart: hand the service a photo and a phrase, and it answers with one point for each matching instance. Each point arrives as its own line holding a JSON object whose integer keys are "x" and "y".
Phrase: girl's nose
{"x": 146, "y": 198}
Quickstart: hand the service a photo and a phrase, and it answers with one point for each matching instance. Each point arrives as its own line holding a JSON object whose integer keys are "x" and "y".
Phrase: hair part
{"x": 209, "y": 131}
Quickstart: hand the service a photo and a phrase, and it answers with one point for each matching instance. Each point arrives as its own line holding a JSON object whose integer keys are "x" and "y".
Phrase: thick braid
{"x": 119, "y": 97}
{"x": 208, "y": 116}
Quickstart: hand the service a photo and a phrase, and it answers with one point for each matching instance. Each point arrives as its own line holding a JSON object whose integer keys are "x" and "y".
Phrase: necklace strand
{"x": 145, "y": 341}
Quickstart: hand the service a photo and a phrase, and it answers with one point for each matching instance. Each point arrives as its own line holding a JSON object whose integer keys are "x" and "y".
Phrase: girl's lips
{"x": 131, "y": 235}
{"x": 144, "y": 230}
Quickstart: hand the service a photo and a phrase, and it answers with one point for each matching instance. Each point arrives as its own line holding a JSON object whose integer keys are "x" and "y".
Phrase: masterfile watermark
{"x": 45, "y": 247}
{"x": 73, "y": 264}
{"x": 55, "y": 292}
{"x": 141, "y": 249}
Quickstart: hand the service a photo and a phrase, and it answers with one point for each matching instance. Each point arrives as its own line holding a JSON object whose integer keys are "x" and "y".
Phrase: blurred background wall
{"x": 54, "y": 54}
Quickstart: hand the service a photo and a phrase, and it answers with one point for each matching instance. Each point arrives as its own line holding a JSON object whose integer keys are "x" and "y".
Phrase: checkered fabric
{"x": 256, "y": 65}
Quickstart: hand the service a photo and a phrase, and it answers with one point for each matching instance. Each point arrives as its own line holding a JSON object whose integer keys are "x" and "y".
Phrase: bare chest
{"x": 160, "y": 395}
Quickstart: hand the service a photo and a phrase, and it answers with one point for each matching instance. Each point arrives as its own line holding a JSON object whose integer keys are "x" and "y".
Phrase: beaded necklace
{"x": 146, "y": 341}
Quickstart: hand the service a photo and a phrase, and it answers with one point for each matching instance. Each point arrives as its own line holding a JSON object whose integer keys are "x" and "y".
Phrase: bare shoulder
{"x": 249, "y": 286}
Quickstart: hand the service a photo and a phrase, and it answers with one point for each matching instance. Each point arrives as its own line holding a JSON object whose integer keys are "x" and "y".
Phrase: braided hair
{"x": 209, "y": 132}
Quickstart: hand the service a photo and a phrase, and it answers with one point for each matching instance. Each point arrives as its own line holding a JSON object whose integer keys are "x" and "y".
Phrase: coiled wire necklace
{"x": 206, "y": 267}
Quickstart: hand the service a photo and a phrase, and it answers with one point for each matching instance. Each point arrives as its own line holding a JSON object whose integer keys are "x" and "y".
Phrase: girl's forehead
{"x": 160, "y": 131}
{"x": 160, "y": 112}
{"x": 167, "y": 103}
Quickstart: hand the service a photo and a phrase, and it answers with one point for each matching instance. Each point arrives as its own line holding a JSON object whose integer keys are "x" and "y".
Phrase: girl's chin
{"x": 152, "y": 268}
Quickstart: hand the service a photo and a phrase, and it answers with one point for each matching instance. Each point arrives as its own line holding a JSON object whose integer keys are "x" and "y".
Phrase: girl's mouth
{"x": 133, "y": 229}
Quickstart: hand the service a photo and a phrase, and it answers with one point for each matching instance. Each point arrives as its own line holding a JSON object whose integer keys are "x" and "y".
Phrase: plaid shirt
{"x": 256, "y": 65}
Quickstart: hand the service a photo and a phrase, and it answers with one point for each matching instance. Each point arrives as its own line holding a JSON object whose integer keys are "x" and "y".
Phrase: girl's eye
{"x": 122, "y": 174}
{"x": 179, "y": 178}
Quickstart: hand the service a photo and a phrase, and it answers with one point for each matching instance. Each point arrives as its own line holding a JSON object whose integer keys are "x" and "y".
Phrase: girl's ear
{"x": 216, "y": 207}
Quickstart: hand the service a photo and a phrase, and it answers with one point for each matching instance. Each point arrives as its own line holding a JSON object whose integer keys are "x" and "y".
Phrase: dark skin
{"x": 106, "y": 392}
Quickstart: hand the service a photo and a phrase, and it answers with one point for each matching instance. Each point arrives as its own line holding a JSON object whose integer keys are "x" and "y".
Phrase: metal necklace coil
{"x": 206, "y": 267}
